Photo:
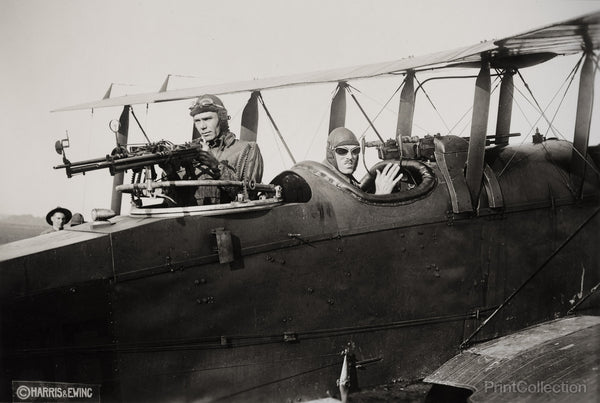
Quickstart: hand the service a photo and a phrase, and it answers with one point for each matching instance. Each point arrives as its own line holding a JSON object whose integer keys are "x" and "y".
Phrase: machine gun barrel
{"x": 122, "y": 162}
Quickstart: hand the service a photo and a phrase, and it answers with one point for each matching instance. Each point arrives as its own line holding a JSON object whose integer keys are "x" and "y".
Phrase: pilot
{"x": 342, "y": 154}
{"x": 223, "y": 157}
{"x": 57, "y": 218}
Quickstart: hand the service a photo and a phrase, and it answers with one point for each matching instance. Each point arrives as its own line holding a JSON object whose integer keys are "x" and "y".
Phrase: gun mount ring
{"x": 252, "y": 185}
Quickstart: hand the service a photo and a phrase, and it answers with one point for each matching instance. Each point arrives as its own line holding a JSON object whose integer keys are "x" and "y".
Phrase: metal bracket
{"x": 224, "y": 245}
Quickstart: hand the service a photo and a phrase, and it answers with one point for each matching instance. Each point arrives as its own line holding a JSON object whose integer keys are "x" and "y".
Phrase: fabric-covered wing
{"x": 555, "y": 361}
{"x": 521, "y": 50}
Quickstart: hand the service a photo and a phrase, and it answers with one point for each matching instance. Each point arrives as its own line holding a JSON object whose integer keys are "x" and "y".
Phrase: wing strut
{"x": 583, "y": 120}
{"x": 249, "y": 129}
{"x": 505, "y": 105}
{"x": 122, "y": 134}
{"x": 406, "y": 110}
{"x": 337, "y": 116}
{"x": 481, "y": 108}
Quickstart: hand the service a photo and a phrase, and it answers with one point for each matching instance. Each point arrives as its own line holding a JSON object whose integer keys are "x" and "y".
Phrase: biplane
{"x": 482, "y": 267}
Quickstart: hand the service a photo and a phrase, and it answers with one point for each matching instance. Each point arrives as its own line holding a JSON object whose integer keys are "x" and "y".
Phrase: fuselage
{"x": 145, "y": 308}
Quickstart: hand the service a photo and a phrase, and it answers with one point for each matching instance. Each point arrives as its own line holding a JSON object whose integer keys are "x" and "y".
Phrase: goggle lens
{"x": 341, "y": 151}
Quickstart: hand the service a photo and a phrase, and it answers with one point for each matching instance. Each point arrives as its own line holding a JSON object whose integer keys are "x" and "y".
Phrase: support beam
{"x": 115, "y": 202}
{"x": 406, "y": 110}
{"x": 249, "y": 129}
{"x": 505, "y": 105}
{"x": 583, "y": 120}
{"x": 476, "y": 153}
{"x": 337, "y": 116}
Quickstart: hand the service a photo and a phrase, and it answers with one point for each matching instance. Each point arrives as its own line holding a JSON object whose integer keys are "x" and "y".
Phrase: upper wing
{"x": 525, "y": 49}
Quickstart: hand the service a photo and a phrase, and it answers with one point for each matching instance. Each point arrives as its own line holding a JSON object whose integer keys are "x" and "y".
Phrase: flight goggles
{"x": 345, "y": 150}
{"x": 204, "y": 102}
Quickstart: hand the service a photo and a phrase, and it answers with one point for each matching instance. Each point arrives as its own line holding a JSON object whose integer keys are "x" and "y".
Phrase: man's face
{"x": 58, "y": 220}
{"x": 207, "y": 124}
{"x": 346, "y": 158}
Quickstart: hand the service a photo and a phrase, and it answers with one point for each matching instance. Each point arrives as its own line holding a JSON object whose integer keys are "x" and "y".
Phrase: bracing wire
{"x": 384, "y": 107}
{"x": 542, "y": 114}
{"x": 349, "y": 89}
{"x": 433, "y": 105}
{"x": 321, "y": 121}
{"x": 496, "y": 83}
{"x": 139, "y": 125}
{"x": 262, "y": 102}
{"x": 541, "y": 267}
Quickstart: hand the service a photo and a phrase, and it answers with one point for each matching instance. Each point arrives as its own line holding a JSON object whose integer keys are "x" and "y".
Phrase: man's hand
{"x": 207, "y": 159}
{"x": 386, "y": 179}
{"x": 206, "y": 164}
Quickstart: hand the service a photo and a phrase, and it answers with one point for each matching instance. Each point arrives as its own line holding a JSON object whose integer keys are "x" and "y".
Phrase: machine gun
{"x": 412, "y": 147}
{"x": 141, "y": 160}
{"x": 134, "y": 158}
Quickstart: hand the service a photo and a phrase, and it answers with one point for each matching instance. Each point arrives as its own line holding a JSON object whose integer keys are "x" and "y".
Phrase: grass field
{"x": 14, "y": 228}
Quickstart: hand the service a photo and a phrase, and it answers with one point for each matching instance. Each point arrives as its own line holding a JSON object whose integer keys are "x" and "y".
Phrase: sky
{"x": 64, "y": 52}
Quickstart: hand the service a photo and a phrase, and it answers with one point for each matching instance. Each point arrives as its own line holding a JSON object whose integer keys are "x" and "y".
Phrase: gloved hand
{"x": 206, "y": 163}
{"x": 208, "y": 160}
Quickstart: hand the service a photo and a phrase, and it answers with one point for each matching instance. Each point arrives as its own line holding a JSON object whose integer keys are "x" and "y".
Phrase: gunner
{"x": 223, "y": 156}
